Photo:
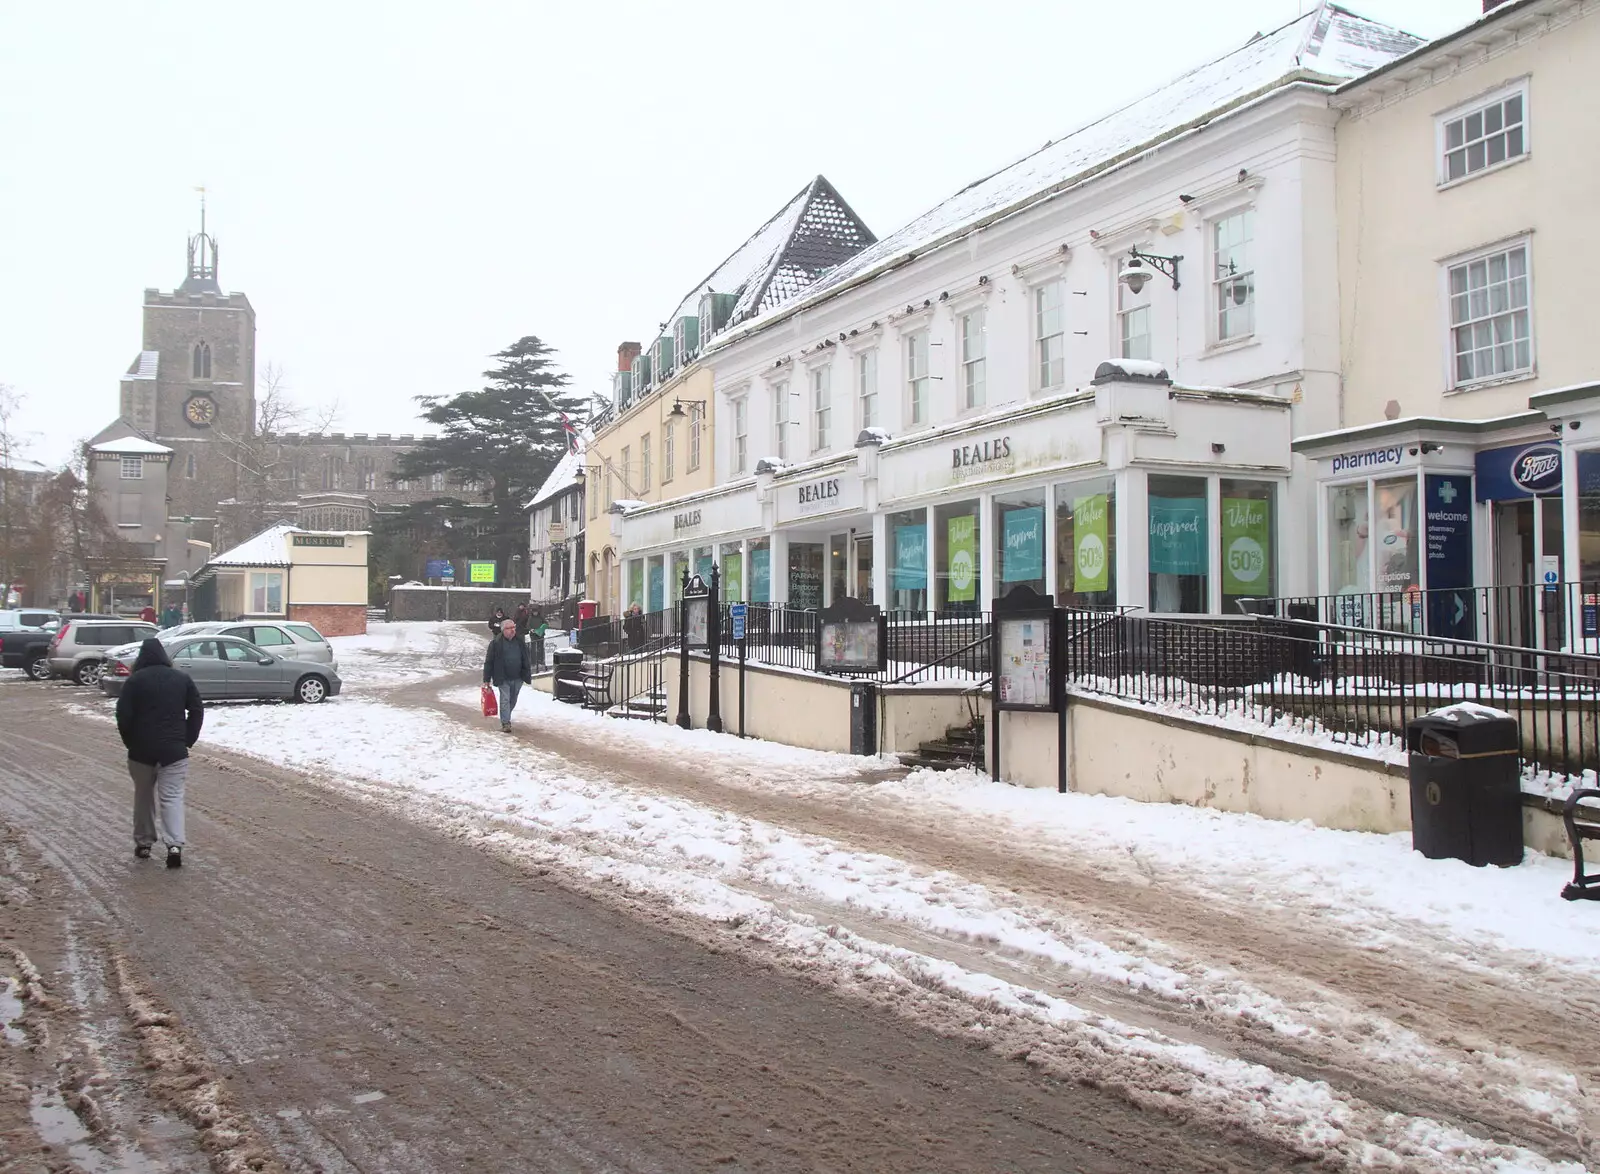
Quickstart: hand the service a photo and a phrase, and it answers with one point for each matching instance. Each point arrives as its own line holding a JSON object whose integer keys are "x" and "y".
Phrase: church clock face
{"x": 201, "y": 411}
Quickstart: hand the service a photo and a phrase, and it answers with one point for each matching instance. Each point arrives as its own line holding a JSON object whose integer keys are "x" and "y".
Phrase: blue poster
{"x": 702, "y": 567}
{"x": 760, "y": 575}
{"x": 1178, "y": 536}
{"x": 1452, "y": 611}
{"x": 910, "y": 558}
{"x": 1023, "y": 559}
{"x": 657, "y": 587}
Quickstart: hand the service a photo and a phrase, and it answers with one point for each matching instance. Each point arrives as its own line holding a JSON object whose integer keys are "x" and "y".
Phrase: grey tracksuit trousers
{"x": 158, "y": 787}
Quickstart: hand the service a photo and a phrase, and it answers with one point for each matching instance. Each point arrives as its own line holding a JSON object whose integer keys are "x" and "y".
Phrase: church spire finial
{"x": 202, "y": 257}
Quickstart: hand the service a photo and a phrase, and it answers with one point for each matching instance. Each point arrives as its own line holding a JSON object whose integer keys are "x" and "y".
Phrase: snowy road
{"x": 959, "y": 976}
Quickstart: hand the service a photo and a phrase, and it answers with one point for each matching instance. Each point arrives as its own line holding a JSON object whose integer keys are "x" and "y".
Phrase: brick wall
{"x": 332, "y": 619}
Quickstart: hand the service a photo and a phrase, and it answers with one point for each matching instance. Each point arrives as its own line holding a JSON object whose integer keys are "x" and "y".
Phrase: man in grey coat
{"x": 159, "y": 716}
{"x": 507, "y": 666}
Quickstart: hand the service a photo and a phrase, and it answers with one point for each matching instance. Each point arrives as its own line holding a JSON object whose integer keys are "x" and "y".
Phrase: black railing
{"x": 1549, "y": 617}
{"x": 1350, "y": 686}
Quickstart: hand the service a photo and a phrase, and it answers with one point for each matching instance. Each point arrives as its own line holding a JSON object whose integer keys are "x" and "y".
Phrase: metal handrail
{"x": 1449, "y": 642}
{"x": 922, "y": 668}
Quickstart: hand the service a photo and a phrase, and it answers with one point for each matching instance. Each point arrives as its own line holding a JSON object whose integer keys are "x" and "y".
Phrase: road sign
{"x": 449, "y": 574}
{"x": 480, "y": 572}
{"x": 736, "y": 613}
{"x": 439, "y": 568}
{"x": 1551, "y": 571}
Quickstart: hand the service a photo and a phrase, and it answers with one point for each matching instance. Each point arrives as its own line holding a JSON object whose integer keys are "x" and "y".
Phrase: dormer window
{"x": 202, "y": 360}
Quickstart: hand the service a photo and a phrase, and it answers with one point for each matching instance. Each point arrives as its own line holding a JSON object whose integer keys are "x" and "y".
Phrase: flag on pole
{"x": 572, "y": 432}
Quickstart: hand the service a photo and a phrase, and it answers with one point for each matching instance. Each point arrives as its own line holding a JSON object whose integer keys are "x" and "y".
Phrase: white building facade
{"x": 1081, "y": 374}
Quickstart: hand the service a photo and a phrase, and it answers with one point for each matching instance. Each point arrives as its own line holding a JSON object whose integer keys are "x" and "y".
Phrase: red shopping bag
{"x": 490, "y": 705}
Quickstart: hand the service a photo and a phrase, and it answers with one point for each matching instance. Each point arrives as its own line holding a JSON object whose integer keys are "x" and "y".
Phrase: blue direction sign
{"x": 736, "y": 613}
{"x": 440, "y": 568}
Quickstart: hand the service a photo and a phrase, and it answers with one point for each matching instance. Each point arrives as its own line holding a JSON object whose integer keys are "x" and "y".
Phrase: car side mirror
{"x": 266, "y": 660}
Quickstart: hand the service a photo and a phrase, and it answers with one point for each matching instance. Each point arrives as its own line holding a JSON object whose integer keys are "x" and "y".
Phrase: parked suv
{"x": 25, "y": 638}
{"x": 291, "y": 639}
{"x": 79, "y": 648}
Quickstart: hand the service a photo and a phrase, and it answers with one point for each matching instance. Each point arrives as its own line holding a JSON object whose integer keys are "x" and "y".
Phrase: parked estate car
{"x": 79, "y": 647}
{"x": 25, "y": 639}
{"x": 292, "y": 639}
{"x": 226, "y": 668}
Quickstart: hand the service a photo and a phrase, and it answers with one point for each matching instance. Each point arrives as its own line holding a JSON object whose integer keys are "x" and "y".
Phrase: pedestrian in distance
{"x": 507, "y": 666}
{"x": 540, "y": 628}
{"x": 496, "y": 618}
{"x": 521, "y": 616}
{"x": 148, "y": 615}
{"x": 159, "y": 715}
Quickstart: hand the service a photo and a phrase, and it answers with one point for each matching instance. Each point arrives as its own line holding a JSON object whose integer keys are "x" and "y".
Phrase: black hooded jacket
{"x": 158, "y": 711}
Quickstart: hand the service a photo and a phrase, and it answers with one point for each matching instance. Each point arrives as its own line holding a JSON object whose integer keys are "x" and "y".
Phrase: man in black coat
{"x": 507, "y": 666}
{"x": 159, "y": 715}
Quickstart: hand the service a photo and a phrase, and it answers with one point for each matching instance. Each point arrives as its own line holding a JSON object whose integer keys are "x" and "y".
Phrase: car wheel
{"x": 38, "y": 669}
{"x": 88, "y": 672}
{"x": 311, "y": 690}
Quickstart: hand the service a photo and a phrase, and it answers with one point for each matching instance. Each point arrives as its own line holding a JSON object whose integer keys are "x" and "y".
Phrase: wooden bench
{"x": 1583, "y": 823}
{"x": 597, "y": 686}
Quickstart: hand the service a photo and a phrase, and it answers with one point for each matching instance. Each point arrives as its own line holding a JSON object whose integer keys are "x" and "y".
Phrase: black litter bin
{"x": 568, "y": 673}
{"x": 863, "y": 718}
{"x": 1466, "y": 785}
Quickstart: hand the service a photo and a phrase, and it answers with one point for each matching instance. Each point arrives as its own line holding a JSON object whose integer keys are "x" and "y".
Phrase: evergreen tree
{"x": 495, "y": 448}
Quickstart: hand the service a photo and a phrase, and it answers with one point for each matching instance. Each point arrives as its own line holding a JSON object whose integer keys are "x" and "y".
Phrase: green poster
{"x": 732, "y": 575}
{"x": 1246, "y": 546}
{"x": 963, "y": 568}
{"x": 1090, "y": 530}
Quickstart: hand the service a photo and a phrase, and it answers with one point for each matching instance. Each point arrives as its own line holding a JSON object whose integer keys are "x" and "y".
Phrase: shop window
{"x": 655, "y": 584}
{"x": 956, "y": 534}
{"x": 1179, "y": 551}
{"x": 266, "y": 592}
{"x": 805, "y": 574}
{"x": 635, "y": 583}
{"x": 1248, "y": 542}
{"x": 838, "y": 568}
{"x": 702, "y": 564}
{"x": 908, "y": 560}
{"x": 1589, "y": 517}
{"x": 731, "y": 559}
{"x": 1086, "y": 543}
{"x": 1019, "y": 529}
{"x": 1394, "y": 534}
{"x": 680, "y": 570}
{"x": 760, "y": 570}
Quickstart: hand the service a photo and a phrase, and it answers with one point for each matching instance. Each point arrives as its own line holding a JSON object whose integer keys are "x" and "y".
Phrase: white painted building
{"x": 935, "y": 422}
{"x": 556, "y": 533}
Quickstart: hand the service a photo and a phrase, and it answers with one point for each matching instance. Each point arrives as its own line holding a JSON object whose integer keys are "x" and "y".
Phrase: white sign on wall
{"x": 1065, "y": 436}
{"x": 676, "y": 523}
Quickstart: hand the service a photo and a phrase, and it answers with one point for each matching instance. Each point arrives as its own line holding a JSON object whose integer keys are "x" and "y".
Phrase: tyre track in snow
{"x": 322, "y": 952}
{"x": 1461, "y": 1015}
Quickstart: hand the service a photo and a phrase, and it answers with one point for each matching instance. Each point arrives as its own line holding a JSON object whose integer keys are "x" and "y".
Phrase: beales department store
{"x": 1418, "y": 522}
{"x": 1041, "y": 495}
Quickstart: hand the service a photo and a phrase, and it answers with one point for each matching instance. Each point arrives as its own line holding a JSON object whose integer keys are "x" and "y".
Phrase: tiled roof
{"x": 1327, "y": 46}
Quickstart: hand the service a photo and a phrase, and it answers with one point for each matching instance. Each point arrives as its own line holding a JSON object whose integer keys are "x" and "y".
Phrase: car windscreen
{"x": 306, "y": 632}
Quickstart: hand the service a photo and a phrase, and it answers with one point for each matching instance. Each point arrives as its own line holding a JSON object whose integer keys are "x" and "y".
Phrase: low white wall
{"x": 908, "y": 717}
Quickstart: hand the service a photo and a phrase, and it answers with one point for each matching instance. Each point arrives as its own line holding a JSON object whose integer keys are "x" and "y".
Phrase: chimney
{"x": 629, "y": 351}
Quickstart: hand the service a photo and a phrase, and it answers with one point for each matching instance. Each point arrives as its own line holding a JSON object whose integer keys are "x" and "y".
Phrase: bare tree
{"x": 265, "y": 460}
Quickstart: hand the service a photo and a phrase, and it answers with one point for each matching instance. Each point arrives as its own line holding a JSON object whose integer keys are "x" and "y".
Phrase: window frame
{"x": 820, "y": 378}
{"x": 739, "y": 442}
{"x": 132, "y": 468}
{"x": 1516, "y": 88}
{"x": 669, "y": 449}
{"x": 974, "y": 367}
{"x": 265, "y": 581}
{"x": 866, "y": 400}
{"x": 645, "y": 471}
{"x": 697, "y": 428}
{"x": 1038, "y": 365}
{"x": 1508, "y": 245}
{"x": 200, "y": 364}
{"x": 917, "y": 386}
{"x": 1216, "y": 282}
{"x": 780, "y": 419}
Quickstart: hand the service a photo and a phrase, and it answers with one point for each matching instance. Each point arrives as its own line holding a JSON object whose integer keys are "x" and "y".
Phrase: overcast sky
{"x": 403, "y": 189}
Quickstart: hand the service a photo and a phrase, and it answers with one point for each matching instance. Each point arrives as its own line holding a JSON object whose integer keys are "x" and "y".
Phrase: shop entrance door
{"x": 1520, "y": 611}
{"x": 805, "y": 574}
{"x": 861, "y": 574}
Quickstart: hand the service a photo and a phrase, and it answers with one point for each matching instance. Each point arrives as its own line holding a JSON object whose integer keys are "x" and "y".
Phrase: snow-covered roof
{"x": 1325, "y": 47}
{"x": 20, "y": 464}
{"x": 145, "y": 366}
{"x": 132, "y": 446}
{"x": 267, "y": 549}
{"x": 562, "y": 478}
{"x": 813, "y": 232}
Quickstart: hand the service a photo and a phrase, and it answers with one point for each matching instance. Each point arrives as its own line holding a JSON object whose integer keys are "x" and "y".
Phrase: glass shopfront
{"x": 1247, "y": 540}
{"x": 1179, "y": 551}
{"x": 958, "y": 581}
{"x": 805, "y": 575}
{"x": 655, "y": 584}
{"x": 1086, "y": 543}
{"x": 908, "y": 561}
{"x": 1019, "y": 537}
{"x": 731, "y": 560}
{"x": 760, "y": 550}
{"x": 838, "y": 568}
{"x": 635, "y": 583}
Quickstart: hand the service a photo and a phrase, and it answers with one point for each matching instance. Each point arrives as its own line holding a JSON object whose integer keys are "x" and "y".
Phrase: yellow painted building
{"x": 287, "y": 573}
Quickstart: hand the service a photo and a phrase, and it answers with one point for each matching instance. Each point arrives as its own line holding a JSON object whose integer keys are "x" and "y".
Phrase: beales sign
{"x": 981, "y": 459}
{"x": 818, "y": 492}
{"x": 687, "y": 520}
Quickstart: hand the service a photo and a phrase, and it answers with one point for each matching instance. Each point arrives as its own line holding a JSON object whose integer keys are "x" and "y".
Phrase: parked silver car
{"x": 292, "y": 639}
{"x": 79, "y": 647}
{"x": 226, "y": 668}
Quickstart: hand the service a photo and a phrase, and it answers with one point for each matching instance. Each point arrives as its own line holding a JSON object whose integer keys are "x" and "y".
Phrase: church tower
{"x": 193, "y": 386}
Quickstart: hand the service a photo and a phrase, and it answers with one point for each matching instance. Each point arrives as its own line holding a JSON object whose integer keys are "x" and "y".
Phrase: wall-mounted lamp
{"x": 1218, "y": 447}
{"x": 1134, "y": 275}
{"x": 678, "y": 413}
{"x": 1556, "y": 427}
{"x": 583, "y": 471}
{"x": 1573, "y": 424}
